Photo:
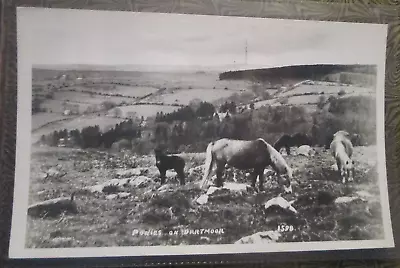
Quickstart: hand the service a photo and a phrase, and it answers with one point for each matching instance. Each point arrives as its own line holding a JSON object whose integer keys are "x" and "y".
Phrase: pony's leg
{"x": 234, "y": 176}
{"x": 208, "y": 170}
{"x": 162, "y": 175}
{"x": 287, "y": 150}
{"x": 351, "y": 173}
{"x": 340, "y": 170}
{"x": 220, "y": 172}
{"x": 181, "y": 176}
{"x": 343, "y": 175}
{"x": 254, "y": 176}
{"x": 260, "y": 179}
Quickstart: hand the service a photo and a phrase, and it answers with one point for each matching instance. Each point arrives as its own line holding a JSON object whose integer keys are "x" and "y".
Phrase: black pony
{"x": 288, "y": 141}
{"x": 166, "y": 162}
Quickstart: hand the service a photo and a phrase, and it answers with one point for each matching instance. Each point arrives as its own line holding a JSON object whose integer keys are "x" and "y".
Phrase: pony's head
{"x": 280, "y": 166}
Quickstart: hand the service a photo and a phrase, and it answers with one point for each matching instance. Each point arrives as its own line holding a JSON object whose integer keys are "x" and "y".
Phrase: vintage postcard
{"x": 145, "y": 134}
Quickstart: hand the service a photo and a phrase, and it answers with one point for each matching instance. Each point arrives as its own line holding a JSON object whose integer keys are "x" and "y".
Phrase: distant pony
{"x": 166, "y": 162}
{"x": 357, "y": 140}
{"x": 288, "y": 141}
{"x": 342, "y": 150}
{"x": 245, "y": 155}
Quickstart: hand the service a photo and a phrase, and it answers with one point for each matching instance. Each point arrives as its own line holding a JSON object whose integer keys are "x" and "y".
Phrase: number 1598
{"x": 285, "y": 228}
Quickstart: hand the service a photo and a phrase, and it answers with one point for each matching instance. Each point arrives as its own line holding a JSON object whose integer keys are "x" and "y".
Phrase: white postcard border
{"x": 22, "y": 174}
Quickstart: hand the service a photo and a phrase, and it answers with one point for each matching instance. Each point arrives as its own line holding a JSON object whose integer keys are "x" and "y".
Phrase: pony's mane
{"x": 275, "y": 156}
{"x": 342, "y": 133}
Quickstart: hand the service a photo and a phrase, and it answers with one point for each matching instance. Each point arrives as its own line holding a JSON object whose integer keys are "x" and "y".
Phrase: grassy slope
{"x": 103, "y": 222}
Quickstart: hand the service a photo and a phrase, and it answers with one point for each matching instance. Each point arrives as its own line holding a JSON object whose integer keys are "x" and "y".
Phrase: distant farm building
{"x": 70, "y": 109}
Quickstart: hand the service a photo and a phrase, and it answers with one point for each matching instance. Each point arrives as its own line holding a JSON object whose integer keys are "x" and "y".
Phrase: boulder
{"x": 260, "y": 238}
{"x": 124, "y": 195}
{"x": 280, "y": 202}
{"x": 236, "y": 187}
{"x": 166, "y": 188}
{"x": 130, "y": 172}
{"x": 346, "y": 199}
{"x": 53, "y": 207}
{"x": 54, "y": 173}
{"x": 203, "y": 199}
{"x": 226, "y": 190}
{"x": 268, "y": 171}
{"x": 140, "y": 181}
{"x": 170, "y": 174}
{"x": 62, "y": 241}
{"x": 112, "y": 196}
{"x": 211, "y": 190}
{"x": 305, "y": 150}
{"x": 95, "y": 189}
{"x": 118, "y": 196}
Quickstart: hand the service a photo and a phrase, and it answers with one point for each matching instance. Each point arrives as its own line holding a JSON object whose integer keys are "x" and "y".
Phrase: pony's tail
{"x": 207, "y": 165}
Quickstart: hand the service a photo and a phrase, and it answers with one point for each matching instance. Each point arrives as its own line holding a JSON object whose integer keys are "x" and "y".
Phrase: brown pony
{"x": 244, "y": 155}
{"x": 342, "y": 150}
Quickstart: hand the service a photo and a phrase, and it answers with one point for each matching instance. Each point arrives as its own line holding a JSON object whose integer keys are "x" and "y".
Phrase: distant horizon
{"x": 152, "y": 68}
{"x": 181, "y": 41}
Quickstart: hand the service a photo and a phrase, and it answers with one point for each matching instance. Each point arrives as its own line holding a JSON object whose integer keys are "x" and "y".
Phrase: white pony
{"x": 244, "y": 155}
{"x": 342, "y": 150}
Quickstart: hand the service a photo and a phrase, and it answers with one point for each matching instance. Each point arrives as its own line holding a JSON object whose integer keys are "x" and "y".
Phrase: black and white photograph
{"x": 160, "y": 134}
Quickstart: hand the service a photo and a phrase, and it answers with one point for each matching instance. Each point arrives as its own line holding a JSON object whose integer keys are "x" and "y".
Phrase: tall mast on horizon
{"x": 245, "y": 53}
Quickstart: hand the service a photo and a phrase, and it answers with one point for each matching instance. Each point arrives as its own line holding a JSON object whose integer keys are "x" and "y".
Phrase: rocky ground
{"x": 119, "y": 201}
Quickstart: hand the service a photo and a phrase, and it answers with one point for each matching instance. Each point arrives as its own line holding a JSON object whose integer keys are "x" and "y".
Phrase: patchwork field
{"x": 41, "y": 119}
{"x": 128, "y": 91}
{"x": 104, "y": 122}
{"x": 83, "y": 97}
{"x": 322, "y": 87}
{"x": 185, "y": 96}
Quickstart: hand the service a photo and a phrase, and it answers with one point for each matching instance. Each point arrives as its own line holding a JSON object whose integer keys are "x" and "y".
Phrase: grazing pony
{"x": 244, "y": 155}
{"x": 166, "y": 162}
{"x": 342, "y": 150}
{"x": 356, "y": 140}
{"x": 288, "y": 141}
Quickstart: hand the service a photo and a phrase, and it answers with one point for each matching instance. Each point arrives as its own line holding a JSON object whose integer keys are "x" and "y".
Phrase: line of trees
{"x": 92, "y": 136}
{"x": 187, "y": 113}
{"x": 190, "y": 129}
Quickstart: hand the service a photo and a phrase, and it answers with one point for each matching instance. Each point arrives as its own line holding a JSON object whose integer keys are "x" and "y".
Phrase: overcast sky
{"x": 57, "y": 36}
